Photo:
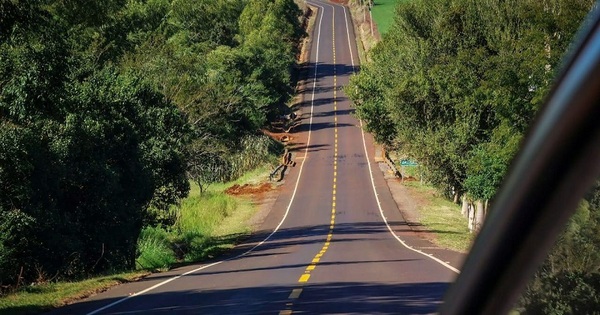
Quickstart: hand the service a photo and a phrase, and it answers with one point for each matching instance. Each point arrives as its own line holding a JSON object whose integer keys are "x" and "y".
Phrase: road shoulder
{"x": 416, "y": 235}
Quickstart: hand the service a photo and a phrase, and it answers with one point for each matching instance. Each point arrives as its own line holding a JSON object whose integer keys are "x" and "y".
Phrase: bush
{"x": 569, "y": 280}
{"x": 563, "y": 293}
{"x": 154, "y": 249}
{"x": 86, "y": 174}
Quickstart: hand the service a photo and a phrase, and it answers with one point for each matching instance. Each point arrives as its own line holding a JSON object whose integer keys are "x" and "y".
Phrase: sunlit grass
{"x": 155, "y": 249}
{"x": 207, "y": 223}
{"x": 258, "y": 175}
{"x": 383, "y": 14}
{"x": 442, "y": 217}
{"x": 202, "y": 213}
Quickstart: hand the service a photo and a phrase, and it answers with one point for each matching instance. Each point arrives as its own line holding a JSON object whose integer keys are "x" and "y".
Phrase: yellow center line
{"x": 304, "y": 277}
{"x": 295, "y": 294}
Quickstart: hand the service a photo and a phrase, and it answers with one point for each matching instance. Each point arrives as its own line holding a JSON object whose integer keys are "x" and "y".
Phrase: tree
{"x": 86, "y": 149}
{"x": 104, "y": 110}
{"x": 454, "y": 84}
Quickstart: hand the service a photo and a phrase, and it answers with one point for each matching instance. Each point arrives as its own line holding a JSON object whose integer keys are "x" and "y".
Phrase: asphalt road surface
{"x": 328, "y": 248}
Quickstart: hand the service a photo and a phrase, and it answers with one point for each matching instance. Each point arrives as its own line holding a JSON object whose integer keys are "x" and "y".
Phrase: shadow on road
{"x": 330, "y": 298}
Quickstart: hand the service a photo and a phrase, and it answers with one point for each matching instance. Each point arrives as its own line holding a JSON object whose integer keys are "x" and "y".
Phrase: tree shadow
{"x": 328, "y": 298}
{"x": 310, "y": 148}
{"x": 339, "y": 112}
{"x": 321, "y": 126}
{"x": 327, "y": 70}
{"x": 386, "y": 297}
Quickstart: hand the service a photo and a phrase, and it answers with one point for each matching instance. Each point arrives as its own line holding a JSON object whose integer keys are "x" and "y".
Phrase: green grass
{"x": 383, "y": 14}
{"x": 410, "y": 171}
{"x": 208, "y": 224}
{"x": 256, "y": 176}
{"x": 155, "y": 249}
{"x": 37, "y": 298}
{"x": 442, "y": 217}
{"x": 201, "y": 214}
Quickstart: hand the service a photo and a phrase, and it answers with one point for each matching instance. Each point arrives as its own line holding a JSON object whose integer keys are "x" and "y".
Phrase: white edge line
{"x": 280, "y": 223}
{"x": 373, "y": 180}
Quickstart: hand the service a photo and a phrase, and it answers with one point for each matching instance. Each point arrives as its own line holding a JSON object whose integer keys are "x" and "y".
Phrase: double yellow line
{"x": 295, "y": 294}
{"x": 304, "y": 277}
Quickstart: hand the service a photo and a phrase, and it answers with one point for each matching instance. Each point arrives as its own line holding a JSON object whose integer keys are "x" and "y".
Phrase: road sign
{"x": 408, "y": 163}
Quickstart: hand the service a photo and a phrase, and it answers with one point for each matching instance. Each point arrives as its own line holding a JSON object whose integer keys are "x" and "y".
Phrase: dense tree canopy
{"x": 455, "y": 84}
{"x": 107, "y": 108}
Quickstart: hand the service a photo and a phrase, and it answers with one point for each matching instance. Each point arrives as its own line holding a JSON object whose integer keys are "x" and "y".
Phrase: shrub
{"x": 154, "y": 249}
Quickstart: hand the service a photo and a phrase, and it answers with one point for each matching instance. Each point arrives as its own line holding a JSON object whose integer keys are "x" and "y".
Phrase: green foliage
{"x": 86, "y": 149}
{"x": 227, "y": 82}
{"x": 106, "y": 108}
{"x": 154, "y": 249}
{"x": 454, "y": 83}
{"x": 565, "y": 293}
{"x": 40, "y": 297}
{"x": 86, "y": 178}
{"x": 209, "y": 165}
{"x": 366, "y": 90}
{"x": 207, "y": 21}
{"x": 205, "y": 224}
{"x": 568, "y": 281}
{"x": 200, "y": 216}
{"x": 488, "y": 162}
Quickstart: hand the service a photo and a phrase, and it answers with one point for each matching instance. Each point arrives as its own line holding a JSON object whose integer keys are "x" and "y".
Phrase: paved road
{"x": 332, "y": 251}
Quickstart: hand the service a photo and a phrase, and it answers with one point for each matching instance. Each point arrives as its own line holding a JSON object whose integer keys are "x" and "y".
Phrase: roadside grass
{"x": 41, "y": 297}
{"x": 442, "y": 217}
{"x": 383, "y": 14}
{"x": 410, "y": 171}
{"x": 207, "y": 224}
{"x": 255, "y": 176}
{"x": 362, "y": 29}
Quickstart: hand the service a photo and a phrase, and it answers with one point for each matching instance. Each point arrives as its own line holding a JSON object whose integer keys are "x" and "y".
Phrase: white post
{"x": 479, "y": 215}
{"x": 464, "y": 209}
{"x": 371, "y": 16}
{"x": 471, "y": 217}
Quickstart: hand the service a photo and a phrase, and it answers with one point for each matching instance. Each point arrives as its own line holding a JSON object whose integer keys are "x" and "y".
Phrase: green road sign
{"x": 408, "y": 163}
